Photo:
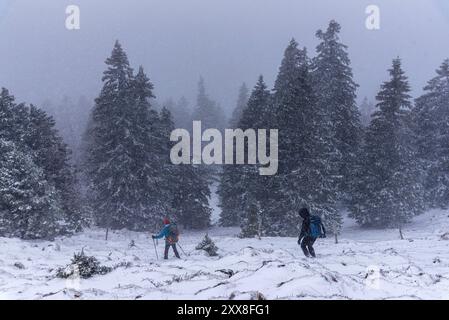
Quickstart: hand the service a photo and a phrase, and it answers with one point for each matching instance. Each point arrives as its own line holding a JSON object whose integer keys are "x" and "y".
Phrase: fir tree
{"x": 336, "y": 96}
{"x": 431, "y": 129}
{"x": 208, "y": 245}
{"x": 305, "y": 149}
{"x": 389, "y": 192}
{"x": 33, "y": 134}
{"x": 255, "y": 197}
{"x": 208, "y": 111}
{"x": 230, "y": 190}
{"x": 29, "y": 204}
{"x": 181, "y": 113}
{"x": 185, "y": 189}
{"x": 366, "y": 110}
{"x": 242, "y": 100}
{"x": 122, "y": 165}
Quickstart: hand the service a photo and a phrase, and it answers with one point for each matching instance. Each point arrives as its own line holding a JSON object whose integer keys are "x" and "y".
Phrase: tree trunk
{"x": 336, "y": 238}
{"x": 107, "y": 232}
{"x": 400, "y": 233}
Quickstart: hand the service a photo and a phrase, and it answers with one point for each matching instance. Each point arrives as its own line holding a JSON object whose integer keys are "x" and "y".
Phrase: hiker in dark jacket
{"x": 306, "y": 238}
{"x": 170, "y": 239}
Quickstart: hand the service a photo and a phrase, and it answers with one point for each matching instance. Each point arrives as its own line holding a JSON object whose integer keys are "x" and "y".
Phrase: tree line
{"x": 384, "y": 169}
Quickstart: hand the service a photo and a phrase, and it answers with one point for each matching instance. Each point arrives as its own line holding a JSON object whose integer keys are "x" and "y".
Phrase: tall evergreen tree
{"x": 431, "y": 129}
{"x": 230, "y": 189}
{"x": 28, "y": 202}
{"x": 185, "y": 184}
{"x": 122, "y": 166}
{"x": 336, "y": 95}
{"x": 367, "y": 108}
{"x": 181, "y": 113}
{"x": 304, "y": 176}
{"x": 242, "y": 101}
{"x": 32, "y": 142}
{"x": 53, "y": 156}
{"x": 389, "y": 192}
{"x": 255, "y": 197}
{"x": 207, "y": 110}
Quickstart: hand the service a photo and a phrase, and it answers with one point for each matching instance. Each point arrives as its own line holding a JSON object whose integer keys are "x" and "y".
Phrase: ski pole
{"x": 182, "y": 250}
{"x": 155, "y": 249}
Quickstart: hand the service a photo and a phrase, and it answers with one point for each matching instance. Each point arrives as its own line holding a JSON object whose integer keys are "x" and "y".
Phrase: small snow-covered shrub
{"x": 445, "y": 236}
{"x": 208, "y": 245}
{"x": 82, "y": 266}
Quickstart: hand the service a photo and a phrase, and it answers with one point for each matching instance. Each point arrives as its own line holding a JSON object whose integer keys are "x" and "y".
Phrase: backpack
{"x": 315, "y": 227}
{"x": 173, "y": 233}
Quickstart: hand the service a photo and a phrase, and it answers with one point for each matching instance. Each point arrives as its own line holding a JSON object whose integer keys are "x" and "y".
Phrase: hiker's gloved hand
{"x": 154, "y": 237}
{"x": 299, "y": 241}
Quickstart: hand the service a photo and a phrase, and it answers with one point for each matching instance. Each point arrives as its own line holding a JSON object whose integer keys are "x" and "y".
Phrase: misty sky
{"x": 226, "y": 41}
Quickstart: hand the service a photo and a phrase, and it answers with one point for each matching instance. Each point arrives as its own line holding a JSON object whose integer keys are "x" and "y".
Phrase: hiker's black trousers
{"x": 307, "y": 246}
{"x": 167, "y": 247}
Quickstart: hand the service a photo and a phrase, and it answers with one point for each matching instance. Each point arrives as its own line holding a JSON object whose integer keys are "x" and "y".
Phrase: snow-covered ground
{"x": 372, "y": 264}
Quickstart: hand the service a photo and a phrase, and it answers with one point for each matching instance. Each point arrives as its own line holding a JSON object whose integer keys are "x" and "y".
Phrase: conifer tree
{"x": 336, "y": 96}
{"x": 230, "y": 190}
{"x": 305, "y": 148}
{"x": 32, "y": 133}
{"x": 29, "y": 204}
{"x": 242, "y": 100}
{"x": 367, "y": 108}
{"x": 255, "y": 191}
{"x": 181, "y": 113}
{"x": 123, "y": 153}
{"x": 208, "y": 111}
{"x": 431, "y": 129}
{"x": 389, "y": 192}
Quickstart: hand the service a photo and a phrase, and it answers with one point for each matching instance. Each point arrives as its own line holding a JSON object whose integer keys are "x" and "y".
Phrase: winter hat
{"x": 304, "y": 212}
{"x": 166, "y": 221}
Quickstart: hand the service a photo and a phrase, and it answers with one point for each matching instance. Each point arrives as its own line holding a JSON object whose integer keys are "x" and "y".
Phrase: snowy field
{"x": 364, "y": 265}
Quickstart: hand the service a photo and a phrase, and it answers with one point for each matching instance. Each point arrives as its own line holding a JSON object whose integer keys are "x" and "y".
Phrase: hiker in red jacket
{"x": 171, "y": 234}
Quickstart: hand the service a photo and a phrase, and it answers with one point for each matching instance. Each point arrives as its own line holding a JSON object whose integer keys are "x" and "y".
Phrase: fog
{"x": 225, "y": 41}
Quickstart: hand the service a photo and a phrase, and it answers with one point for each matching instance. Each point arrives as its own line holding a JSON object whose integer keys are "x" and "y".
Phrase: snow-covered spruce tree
{"x": 208, "y": 111}
{"x": 191, "y": 197}
{"x": 211, "y": 115}
{"x": 52, "y": 155}
{"x": 7, "y": 125}
{"x": 29, "y": 204}
{"x": 251, "y": 226}
{"x": 336, "y": 95}
{"x": 388, "y": 190}
{"x": 122, "y": 167}
{"x": 367, "y": 108}
{"x": 230, "y": 190}
{"x": 33, "y": 133}
{"x": 242, "y": 101}
{"x": 13, "y": 118}
{"x": 431, "y": 129}
{"x": 305, "y": 149}
{"x": 181, "y": 113}
{"x": 186, "y": 184}
{"x": 208, "y": 245}
{"x": 255, "y": 196}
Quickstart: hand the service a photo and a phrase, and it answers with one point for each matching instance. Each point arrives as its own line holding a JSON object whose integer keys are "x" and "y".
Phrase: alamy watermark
{"x": 372, "y": 22}
{"x": 73, "y": 19}
{"x": 233, "y": 146}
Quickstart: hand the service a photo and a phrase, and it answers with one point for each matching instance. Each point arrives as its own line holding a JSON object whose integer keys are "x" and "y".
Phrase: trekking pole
{"x": 182, "y": 250}
{"x": 155, "y": 249}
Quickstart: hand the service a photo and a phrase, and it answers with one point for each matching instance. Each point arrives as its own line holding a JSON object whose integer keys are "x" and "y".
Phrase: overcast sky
{"x": 226, "y": 41}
